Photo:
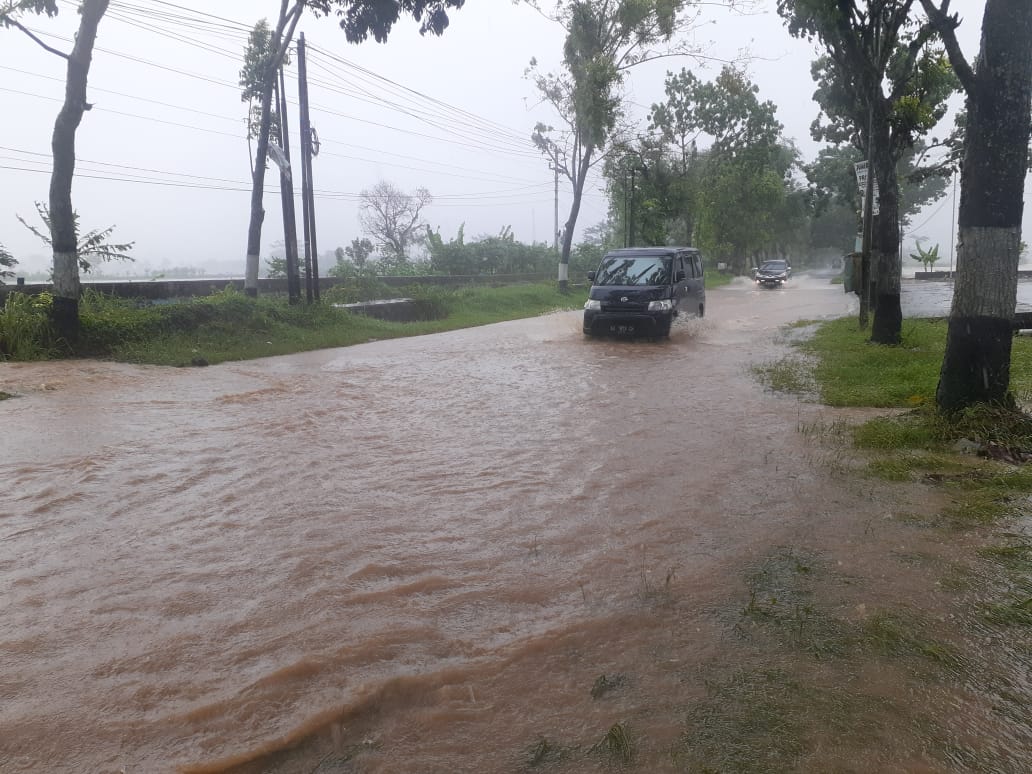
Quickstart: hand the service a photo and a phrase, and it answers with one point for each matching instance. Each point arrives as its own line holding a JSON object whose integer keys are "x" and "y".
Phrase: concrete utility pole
{"x": 555, "y": 222}
{"x": 287, "y": 197}
{"x": 307, "y": 188}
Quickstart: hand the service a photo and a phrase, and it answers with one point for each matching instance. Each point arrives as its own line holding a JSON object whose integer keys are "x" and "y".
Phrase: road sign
{"x": 861, "y": 181}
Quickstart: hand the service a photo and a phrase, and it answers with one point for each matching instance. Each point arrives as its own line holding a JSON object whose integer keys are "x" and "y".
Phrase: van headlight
{"x": 661, "y": 306}
{"x": 593, "y": 305}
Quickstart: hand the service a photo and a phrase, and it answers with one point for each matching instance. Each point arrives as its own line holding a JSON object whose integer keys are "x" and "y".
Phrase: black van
{"x": 640, "y": 290}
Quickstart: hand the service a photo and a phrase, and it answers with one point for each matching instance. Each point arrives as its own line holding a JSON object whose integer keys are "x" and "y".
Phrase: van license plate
{"x": 621, "y": 329}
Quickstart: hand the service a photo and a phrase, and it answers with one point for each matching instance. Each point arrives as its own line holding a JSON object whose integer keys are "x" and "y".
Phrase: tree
{"x": 359, "y": 19}
{"x": 487, "y": 254}
{"x": 63, "y": 236}
{"x": 734, "y": 198}
{"x": 392, "y": 218}
{"x": 7, "y": 262}
{"x": 976, "y": 363}
{"x": 359, "y": 251}
{"x": 868, "y": 46}
{"x": 92, "y": 245}
{"x": 604, "y": 39}
{"x": 927, "y": 258}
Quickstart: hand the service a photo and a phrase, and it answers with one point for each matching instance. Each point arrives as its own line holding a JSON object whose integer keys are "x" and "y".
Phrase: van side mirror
{"x": 591, "y": 276}
{"x": 680, "y": 276}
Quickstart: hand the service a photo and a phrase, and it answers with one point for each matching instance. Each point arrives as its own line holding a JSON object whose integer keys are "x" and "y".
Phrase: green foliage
{"x": 93, "y": 246}
{"x": 927, "y": 258}
{"x": 259, "y": 65}
{"x": 25, "y": 332}
{"x": 854, "y": 372}
{"x": 7, "y": 262}
{"x": 9, "y": 9}
{"x": 732, "y": 199}
{"x": 603, "y": 40}
{"x": 500, "y": 254}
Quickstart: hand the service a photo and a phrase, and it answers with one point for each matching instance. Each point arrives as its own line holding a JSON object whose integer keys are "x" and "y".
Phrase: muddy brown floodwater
{"x": 419, "y": 553}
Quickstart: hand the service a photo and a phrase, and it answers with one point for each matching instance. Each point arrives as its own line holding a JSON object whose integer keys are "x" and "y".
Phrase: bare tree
{"x": 392, "y": 218}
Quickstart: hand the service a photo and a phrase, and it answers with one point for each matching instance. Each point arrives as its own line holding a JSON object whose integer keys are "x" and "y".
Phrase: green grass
{"x": 232, "y": 326}
{"x": 715, "y": 279}
{"x": 791, "y": 375}
{"x": 854, "y": 372}
{"x": 764, "y": 721}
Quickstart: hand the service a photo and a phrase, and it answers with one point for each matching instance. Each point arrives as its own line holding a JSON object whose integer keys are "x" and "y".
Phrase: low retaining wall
{"x": 190, "y": 288}
{"x": 938, "y": 275}
{"x": 393, "y": 309}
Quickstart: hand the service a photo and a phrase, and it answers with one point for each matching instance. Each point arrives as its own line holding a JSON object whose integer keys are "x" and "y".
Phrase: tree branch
{"x": 913, "y": 49}
{"x": 45, "y": 47}
{"x": 946, "y": 25}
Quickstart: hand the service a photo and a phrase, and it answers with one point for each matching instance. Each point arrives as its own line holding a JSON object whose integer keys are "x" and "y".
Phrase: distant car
{"x": 639, "y": 291}
{"x": 773, "y": 274}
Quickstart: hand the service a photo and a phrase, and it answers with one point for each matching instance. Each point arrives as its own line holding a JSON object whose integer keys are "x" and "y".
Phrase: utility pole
{"x": 953, "y": 222}
{"x": 287, "y": 196}
{"x": 555, "y": 223}
{"x": 865, "y": 250}
{"x": 307, "y": 188}
{"x": 631, "y": 212}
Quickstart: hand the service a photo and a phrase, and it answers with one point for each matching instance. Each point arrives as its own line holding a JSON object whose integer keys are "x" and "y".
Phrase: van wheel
{"x": 702, "y": 310}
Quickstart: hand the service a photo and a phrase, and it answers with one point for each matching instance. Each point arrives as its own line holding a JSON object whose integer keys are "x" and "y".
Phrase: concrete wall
{"x": 188, "y": 288}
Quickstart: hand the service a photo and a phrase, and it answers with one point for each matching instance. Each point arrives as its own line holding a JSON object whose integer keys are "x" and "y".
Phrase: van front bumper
{"x": 603, "y": 323}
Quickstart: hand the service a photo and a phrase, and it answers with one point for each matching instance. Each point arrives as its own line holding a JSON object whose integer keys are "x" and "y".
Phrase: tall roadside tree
{"x": 879, "y": 83}
{"x": 604, "y": 40}
{"x": 63, "y": 235}
{"x": 266, "y": 51}
{"x": 736, "y": 196}
{"x": 976, "y": 364}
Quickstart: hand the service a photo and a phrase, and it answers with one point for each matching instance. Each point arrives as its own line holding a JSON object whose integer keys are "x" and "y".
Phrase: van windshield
{"x": 643, "y": 270}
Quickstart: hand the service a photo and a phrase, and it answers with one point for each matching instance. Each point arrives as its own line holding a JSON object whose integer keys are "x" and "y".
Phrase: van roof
{"x": 660, "y": 250}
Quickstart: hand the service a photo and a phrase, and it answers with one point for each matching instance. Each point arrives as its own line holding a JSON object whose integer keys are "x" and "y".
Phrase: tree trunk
{"x": 976, "y": 364}
{"x": 888, "y": 315}
{"x": 65, "y": 312}
{"x": 284, "y": 32}
{"x": 254, "y": 228}
{"x": 584, "y": 163}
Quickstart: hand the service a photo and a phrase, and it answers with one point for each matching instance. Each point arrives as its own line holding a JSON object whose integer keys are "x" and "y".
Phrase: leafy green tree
{"x": 736, "y": 197}
{"x": 501, "y": 254}
{"x": 998, "y": 87}
{"x": 358, "y": 252}
{"x": 927, "y": 258}
{"x": 62, "y": 222}
{"x": 7, "y": 262}
{"x": 880, "y": 85}
{"x": 604, "y": 39}
{"x": 587, "y": 254}
{"x": 90, "y": 248}
{"x": 354, "y": 260}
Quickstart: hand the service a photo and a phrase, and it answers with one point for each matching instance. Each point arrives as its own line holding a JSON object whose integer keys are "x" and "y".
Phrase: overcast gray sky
{"x": 163, "y": 154}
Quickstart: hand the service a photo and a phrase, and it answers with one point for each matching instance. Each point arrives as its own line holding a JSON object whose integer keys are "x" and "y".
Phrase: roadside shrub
{"x": 25, "y": 331}
{"x": 108, "y": 320}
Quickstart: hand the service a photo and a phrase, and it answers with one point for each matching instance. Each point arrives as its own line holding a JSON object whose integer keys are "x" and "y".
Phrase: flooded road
{"x": 421, "y": 551}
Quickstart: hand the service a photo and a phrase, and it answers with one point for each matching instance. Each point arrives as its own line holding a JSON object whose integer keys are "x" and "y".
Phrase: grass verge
{"x": 231, "y": 326}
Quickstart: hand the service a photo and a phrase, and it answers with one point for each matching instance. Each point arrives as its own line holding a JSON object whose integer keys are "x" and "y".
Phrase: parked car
{"x": 773, "y": 274}
{"x": 640, "y": 290}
